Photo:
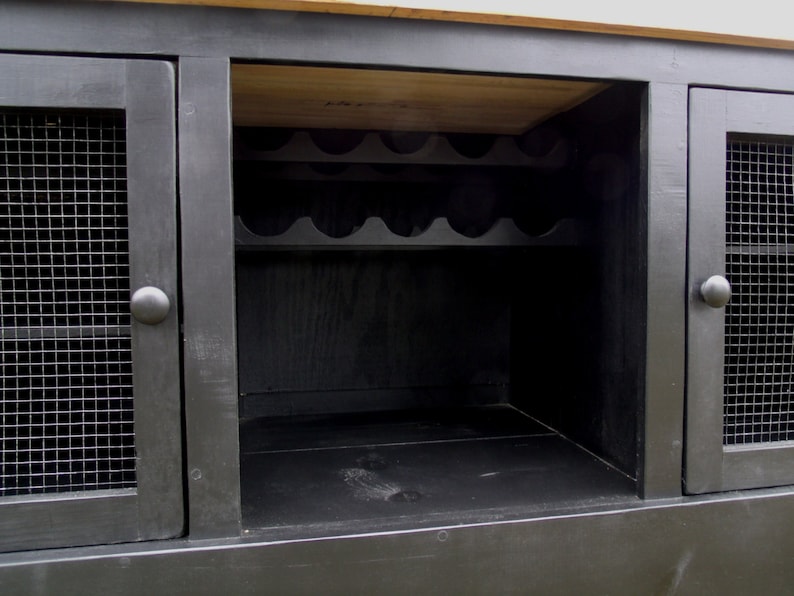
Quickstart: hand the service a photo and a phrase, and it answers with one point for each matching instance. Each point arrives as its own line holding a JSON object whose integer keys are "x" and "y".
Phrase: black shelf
{"x": 433, "y": 149}
{"x": 374, "y": 234}
{"x": 370, "y": 471}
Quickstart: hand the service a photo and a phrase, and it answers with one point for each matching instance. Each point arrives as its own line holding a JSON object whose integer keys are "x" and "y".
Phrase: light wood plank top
{"x": 762, "y": 23}
{"x": 363, "y": 99}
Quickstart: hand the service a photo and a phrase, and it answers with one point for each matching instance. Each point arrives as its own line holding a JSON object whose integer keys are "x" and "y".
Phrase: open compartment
{"x": 436, "y": 325}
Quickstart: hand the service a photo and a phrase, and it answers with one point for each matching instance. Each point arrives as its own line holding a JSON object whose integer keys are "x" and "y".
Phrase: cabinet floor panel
{"x": 385, "y": 427}
{"x": 375, "y": 472}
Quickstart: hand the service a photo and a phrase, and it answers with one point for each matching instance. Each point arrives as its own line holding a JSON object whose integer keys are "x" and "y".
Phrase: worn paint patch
{"x": 367, "y": 485}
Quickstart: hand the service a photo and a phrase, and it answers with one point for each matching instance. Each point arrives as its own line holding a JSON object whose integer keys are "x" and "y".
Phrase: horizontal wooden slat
{"x": 310, "y": 97}
{"x": 735, "y": 24}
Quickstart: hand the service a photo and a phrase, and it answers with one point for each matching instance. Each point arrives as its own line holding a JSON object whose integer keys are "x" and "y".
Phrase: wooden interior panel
{"x": 348, "y": 98}
{"x": 326, "y": 322}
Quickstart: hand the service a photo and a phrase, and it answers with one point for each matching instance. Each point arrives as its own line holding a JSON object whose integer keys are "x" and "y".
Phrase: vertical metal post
{"x": 661, "y": 419}
{"x": 213, "y": 469}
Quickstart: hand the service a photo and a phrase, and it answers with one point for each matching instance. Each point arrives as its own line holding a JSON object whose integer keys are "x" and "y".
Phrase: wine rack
{"x": 331, "y": 190}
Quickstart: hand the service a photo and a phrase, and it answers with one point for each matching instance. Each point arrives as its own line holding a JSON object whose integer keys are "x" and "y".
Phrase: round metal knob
{"x": 149, "y": 305}
{"x": 716, "y": 291}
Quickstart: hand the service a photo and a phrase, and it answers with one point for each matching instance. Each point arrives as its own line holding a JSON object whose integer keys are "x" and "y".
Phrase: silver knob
{"x": 149, "y": 305}
{"x": 716, "y": 291}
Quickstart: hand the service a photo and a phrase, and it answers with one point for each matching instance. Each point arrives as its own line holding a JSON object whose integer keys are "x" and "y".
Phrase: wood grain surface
{"x": 350, "y": 98}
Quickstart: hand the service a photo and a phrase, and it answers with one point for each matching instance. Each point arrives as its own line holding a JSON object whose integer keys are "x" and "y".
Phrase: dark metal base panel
{"x": 339, "y": 474}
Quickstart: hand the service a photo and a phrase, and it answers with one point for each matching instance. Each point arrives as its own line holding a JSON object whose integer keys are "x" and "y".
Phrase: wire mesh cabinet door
{"x": 90, "y": 395}
{"x": 740, "y": 369}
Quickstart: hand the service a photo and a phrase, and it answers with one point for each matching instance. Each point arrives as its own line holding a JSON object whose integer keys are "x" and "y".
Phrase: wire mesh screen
{"x": 65, "y": 353}
{"x": 759, "y": 320}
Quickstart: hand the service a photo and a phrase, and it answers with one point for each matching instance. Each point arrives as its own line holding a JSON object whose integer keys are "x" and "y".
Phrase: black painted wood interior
{"x": 348, "y": 321}
{"x": 428, "y": 362}
{"x": 371, "y": 472}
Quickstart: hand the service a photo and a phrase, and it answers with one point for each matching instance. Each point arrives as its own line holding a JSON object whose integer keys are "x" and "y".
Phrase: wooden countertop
{"x": 762, "y": 23}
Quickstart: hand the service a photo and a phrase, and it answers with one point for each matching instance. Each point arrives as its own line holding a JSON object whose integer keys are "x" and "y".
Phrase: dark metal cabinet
{"x": 740, "y": 411}
{"x": 90, "y": 429}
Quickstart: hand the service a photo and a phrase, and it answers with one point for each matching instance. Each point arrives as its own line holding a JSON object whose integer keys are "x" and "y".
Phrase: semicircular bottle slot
{"x": 536, "y": 222}
{"x": 408, "y": 220}
{"x": 547, "y": 148}
{"x": 473, "y": 146}
{"x": 471, "y": 210}
{"x": 267, "y": 226}
{"x": 539, "y": 142}
{"x": 284, "y": 207}
{"x": 337, "y": 142}
{"x": 338, "y": 218}
{"x": 404, "y": 142}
